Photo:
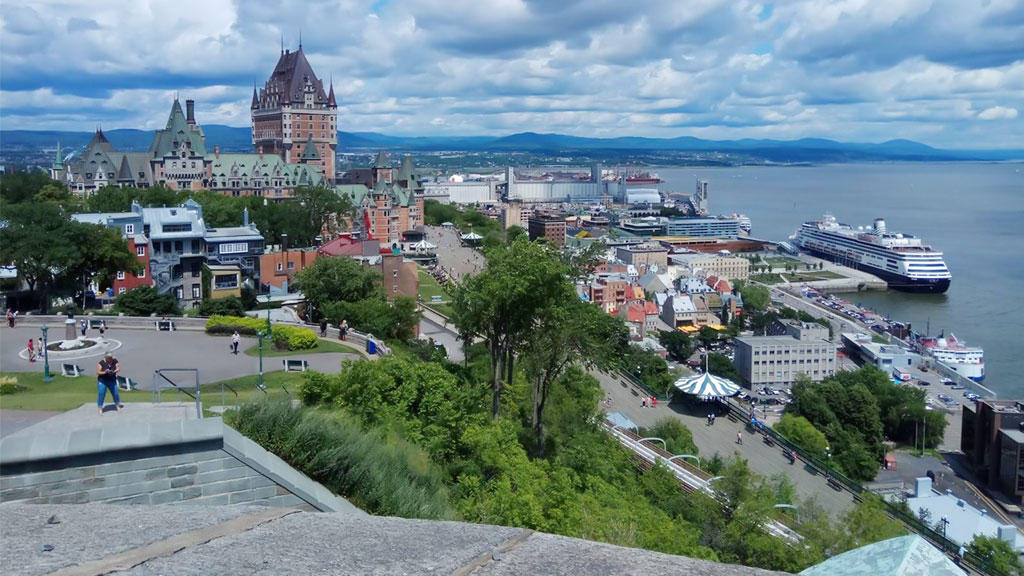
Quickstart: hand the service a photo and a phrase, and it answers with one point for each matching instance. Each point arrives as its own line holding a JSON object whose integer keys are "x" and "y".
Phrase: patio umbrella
{"x": 707, "y": 386}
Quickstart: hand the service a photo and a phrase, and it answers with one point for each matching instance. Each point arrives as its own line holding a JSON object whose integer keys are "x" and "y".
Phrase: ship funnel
{"x": 879, "y": 225}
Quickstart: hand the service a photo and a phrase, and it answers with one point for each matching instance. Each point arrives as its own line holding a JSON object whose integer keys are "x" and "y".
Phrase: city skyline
{"x": 939, "y": 72}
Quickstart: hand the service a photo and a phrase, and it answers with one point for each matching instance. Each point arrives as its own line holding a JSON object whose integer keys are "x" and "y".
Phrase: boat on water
{"x": 744, "y": 222}
{"x": 967, "y": 361}
{"x": 903, "y": 261}
{"x": 642, "y": 178}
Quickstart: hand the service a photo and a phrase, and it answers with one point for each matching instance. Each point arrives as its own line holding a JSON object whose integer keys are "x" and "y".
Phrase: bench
{"x": 435, "y": 298}
{"x": 70, "y": 370}
{"x": 293, "y": 365}
{"x": 164, "y": 326}
{"x": 125, "y": 383}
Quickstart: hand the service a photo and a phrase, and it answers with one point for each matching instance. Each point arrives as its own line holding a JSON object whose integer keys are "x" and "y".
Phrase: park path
{"x": 721, "y": 438}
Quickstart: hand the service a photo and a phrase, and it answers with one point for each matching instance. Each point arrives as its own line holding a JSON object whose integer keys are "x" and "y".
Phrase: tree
{"x": 326, "y": 211}
{"x": 1000, "y": 557}
{"x": 720, "y": 365}
{"x": 119, "y": 199}
{"x": 707, "y": 336}
{"x": 677, "y": 344}
{"x": 337, "y": 280}
{"x": 514, "y": 233}
{"x": 801, "y": 432}
{"x": 144, "y": 301}
{"x": 755, "y": 297}
{"x": 868, "y": 522}
{"x": 19, "y": 187}
{"x": 57, "y": 256}
{"x": 504, "y": 301}
{"x": 231, "y": 306}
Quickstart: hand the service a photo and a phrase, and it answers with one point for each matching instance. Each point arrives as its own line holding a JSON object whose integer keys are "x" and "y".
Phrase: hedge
{"x": 285, "y": 337}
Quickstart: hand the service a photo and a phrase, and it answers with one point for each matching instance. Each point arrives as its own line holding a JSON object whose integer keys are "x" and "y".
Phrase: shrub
{"x": 231, "y": 306}
{"x": 294, "y": 338}
{"x": 248, "y": 326}
{"x": 145, "y": 300}
{"x": 8, "y": 385}
{"x": 380, "y": 474}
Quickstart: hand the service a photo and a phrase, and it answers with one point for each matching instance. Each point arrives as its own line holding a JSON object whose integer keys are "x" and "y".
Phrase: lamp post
{"x": 47, "y": 377}
{"x": 259, "y": 349}
{"x": 945, "y": 522}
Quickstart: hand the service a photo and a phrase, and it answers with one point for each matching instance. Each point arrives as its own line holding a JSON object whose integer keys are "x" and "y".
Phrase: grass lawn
{"x": 429, "y": 287}
{"x": 69, "y": 393}
{"x": 322, "y": 347}
{"x": 766, "y": 278}
{"x": 812, "y": 276}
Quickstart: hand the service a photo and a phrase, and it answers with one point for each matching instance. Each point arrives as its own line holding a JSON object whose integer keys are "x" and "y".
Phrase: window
{"x": 129, "y": 228}
{"x": 141, "y": 274}
{"x": 195, "y": 291}
{"x": 234, "y": 248}
{"x": 394, "y": 274}
{"x": 225, "y": 281}
{"x": 291, "y": 265}
{"x": 120, "y": 275}
{"x": 121, "y": 290}
{"x": 280, "y": 266}
{"x": 140, "y": 250}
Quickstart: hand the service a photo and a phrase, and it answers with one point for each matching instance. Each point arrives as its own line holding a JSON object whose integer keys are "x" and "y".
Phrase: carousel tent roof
{"x": 422, "y": 245}
{"x": 707, "y": 386}
{"x": 472, "y": 236}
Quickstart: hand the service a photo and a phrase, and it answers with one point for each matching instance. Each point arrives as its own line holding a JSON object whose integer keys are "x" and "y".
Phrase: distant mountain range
{"x": 232, "y": 139}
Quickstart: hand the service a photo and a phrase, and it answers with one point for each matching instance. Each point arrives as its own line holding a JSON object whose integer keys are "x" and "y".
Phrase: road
{"x": 721, "y": 438}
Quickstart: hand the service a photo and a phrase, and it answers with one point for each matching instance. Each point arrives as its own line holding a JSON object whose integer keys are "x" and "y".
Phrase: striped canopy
{"x": 707, "y": 386}
{"x": 422, "y": 245}
{"x": 472, "y": 236}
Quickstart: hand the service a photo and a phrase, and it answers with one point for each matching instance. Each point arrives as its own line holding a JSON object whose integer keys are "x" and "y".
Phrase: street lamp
{"x": 268, "y": 315}
{"x": 945, "y": 522}
{"x": 47, "y": 377}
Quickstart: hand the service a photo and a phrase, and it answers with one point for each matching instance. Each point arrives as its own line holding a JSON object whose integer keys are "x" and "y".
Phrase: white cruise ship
{"x": 967, "y": 361}
{"x": 902, "y": 260}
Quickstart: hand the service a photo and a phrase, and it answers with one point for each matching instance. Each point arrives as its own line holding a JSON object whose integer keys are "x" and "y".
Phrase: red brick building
{"x": 125, "y": 281}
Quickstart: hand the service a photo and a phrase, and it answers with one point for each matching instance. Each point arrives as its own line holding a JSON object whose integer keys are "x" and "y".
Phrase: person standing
{"x": 10, "y": 319}
{"x": 106, "y": 372}
{"x": 84, "y": 326}
{"x": 15, "y": 321}
{"x": 323, "y": 328}
{"x": 39, "y": 347}
{"x": 739, "y": 438}
{"x": 31, "y": 350}
{"x": 235, "y": 339}
{"x": 343, "y": 330}
{"x": 103, "y": 328}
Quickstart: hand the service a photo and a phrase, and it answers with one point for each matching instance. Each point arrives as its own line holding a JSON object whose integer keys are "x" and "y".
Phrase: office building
{"x": 547, "y": 226}
{"x": 992, "y": 435}
{"x": 802, "y": 349}
{"x": 645, "y": 257}
{"x": 720, "y": 265}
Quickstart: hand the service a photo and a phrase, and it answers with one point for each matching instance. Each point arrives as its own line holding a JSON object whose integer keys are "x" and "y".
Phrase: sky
{"x": 949, "y": 73}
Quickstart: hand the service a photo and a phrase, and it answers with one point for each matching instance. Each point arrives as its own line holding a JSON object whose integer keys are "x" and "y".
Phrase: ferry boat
{"x": 744, "y": 222}
{"x": 642, "y": 178}
{"x": 967, "y": 361}
{"x": 902, "y": 260}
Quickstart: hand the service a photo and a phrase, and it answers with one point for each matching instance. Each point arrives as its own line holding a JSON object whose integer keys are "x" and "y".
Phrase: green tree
{"x": 868, "y": 522}
{"x": 720, "y": 365}
{"x": 119, "y": 199}
{"x": 145, "y": 300}
{"x": 230, "y": 306}
{"x": 755, "y": 297}
{"x": 999, "y": 556}
{"x": 505, "y": 300}
{"x": 19, "y": 187}
{"x": 707, "y": 336}
{"x": 801, "y": 432}
{"x": 514, "y": 233}
{"x": 677, "y": 344}
{"x": 325, "y": 210}
{"x": 337, "y": 280}
{"x": 678, "y": 438}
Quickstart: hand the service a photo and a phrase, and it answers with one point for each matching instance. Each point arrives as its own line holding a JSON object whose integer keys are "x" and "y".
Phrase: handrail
{"x": 285, "y": 388}
{"x": 175, "y": 385}
{"x": 157, "y": 394}
{"x": 222, "y": 386}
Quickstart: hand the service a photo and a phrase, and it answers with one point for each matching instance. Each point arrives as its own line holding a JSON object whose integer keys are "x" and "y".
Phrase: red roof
{"x": 635, "y": 313}
{"x": 343, "y": 245}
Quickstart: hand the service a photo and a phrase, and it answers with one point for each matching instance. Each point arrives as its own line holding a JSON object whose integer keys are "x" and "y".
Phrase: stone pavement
{"x": 146, "y": 540}
{"x": 452, "y": 255}
{"x": 721, "y": 438}
{"x": 144, "y": 351}
{"x": 12, "y": 421}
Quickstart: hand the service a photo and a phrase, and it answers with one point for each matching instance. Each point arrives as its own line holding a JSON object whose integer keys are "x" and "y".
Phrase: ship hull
{"x": 895, "y": 281}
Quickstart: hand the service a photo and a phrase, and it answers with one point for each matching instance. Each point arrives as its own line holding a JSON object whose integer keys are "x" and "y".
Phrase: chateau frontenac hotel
{"x": 294, "y": 133}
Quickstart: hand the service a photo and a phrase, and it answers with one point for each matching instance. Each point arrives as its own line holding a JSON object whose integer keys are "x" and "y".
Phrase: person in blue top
{"x": 106, "y": 373}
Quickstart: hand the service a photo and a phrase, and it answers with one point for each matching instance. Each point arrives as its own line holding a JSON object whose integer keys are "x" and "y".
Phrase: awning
{"x": 707, "y": 386}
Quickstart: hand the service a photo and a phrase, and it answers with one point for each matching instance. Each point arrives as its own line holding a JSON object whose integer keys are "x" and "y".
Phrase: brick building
{"x": 644, "y": 257}
{"x": 279, "y": 267}
{"x": 550, "y": 227}
{"x": 294, "y": 117}
{"x": 391, "y": 204}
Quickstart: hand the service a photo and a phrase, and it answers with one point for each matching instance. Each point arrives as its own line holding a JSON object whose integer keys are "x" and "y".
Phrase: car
{"x": 924, "y": 383}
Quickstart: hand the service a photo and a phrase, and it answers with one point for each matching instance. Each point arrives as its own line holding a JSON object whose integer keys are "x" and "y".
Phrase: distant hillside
{"x": 233, "y": 139}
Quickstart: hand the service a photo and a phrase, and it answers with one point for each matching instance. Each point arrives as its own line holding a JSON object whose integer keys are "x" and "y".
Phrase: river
{"x": 973, "y": 213}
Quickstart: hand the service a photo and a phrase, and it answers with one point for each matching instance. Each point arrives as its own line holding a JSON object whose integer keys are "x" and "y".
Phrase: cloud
{"x": 844, "y": 69}
{"x": 998, "y": 113}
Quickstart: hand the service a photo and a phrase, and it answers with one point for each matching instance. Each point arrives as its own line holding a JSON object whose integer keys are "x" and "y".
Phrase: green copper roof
{"x": 407, "y": 172}
{"x": 58, "y": 161}
{"x": 167, "y": 141}
{"x": 903, "y": 556}
{"x": 309, "y": 150}
{"x": 381, "y": 161}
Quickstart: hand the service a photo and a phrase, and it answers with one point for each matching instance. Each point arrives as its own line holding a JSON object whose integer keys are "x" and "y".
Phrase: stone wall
{"x": 211, "y": 477}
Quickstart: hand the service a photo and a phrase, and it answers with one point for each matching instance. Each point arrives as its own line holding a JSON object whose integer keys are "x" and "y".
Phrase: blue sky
{"x": 946, "y": 72}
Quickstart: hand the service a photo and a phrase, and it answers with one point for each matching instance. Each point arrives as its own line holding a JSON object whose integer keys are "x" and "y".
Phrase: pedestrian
{"x": 10, "y": 319}
{"x": 31, "y": 350}
{"x": 739, "y": 438}
{"x": 16, "y": 312}
{"x": 323, "y": 328}
{"x": 106, "y": 372}
{"x": 39, "y": 347}
{"x": 643, "y": 401}
{"x": 709, "y": 420}
{"x": 235, "y": 339}
{"x": 713, "y": 416}
{"x": 654, "y": 401}
{"x": 103, "y": 328}
{"x": 343, "y": 330}
{"x": 84, "y": 326}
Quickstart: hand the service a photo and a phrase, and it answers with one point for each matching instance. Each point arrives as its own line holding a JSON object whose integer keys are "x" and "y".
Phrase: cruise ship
{"x": 902, "y": 260}
{"x": 967, "y": 361}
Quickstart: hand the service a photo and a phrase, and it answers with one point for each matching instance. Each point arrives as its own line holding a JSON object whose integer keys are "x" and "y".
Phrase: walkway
{"x": 452, "y": 255}
{"x": 721, "y": 438}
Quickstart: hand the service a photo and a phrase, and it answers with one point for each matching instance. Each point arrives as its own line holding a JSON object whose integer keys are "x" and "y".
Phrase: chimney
{"x": 190, "y": 112}
{"x": 284, "y": 242}
{"x": 260, "y": 150}
{"x": 245, "y": 217}
{"x": 922, "y": 487}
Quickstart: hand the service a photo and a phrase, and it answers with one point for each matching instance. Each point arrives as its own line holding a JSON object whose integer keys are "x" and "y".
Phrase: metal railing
{"x": 157, "y": 388}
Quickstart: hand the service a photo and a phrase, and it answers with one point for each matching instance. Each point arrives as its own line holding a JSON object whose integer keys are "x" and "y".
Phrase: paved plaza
{"x": 143, "y": 351}
{"x": 457, "y": 259}
{"x": 721, "y": 438}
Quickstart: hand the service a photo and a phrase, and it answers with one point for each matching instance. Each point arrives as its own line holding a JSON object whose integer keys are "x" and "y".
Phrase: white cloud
{"x": 848, "y": 69}
{"x": 998, "y": 113}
